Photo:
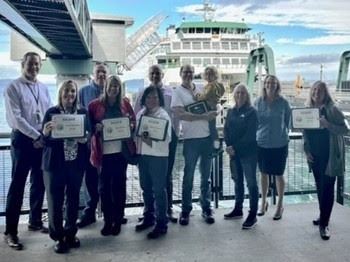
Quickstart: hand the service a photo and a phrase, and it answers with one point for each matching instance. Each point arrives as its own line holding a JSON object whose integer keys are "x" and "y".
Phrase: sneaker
{"x": 107, "y": 229}
{"x": 85, "y": 221}
{"x": 324, "y": 232}
{"x": 72, "y": 242}
{"x": 13, "y": 242}
{"x": 208, "y": 216}
{"x": 234, "y": 214}
{"x": 184, "y": 218}
{"x": 41, "y": 228}
{"x": 171, "y": 216}
{"x": 60, "y": 247}
{"x": 250, "y": 222}
{"x": 144, "y": 224}
{"x": 157, "y": 232}
{"x": 116, "y": 229}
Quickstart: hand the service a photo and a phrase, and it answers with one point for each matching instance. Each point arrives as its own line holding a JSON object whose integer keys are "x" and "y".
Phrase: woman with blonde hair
{"x": 272, "y": 137}
{"x": 325, "y": 151}
{"x": 64, "y": 166}
{"x": 240, "y": 138}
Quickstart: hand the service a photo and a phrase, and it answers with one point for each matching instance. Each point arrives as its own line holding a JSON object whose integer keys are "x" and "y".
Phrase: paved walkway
{"x": 293, "y": 238}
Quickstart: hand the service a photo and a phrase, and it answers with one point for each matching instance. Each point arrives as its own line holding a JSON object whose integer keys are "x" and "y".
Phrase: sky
{"x": 302, "y": 33}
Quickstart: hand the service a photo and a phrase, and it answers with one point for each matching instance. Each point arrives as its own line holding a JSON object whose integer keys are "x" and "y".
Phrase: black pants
{"x": 91, "y": 186}
{"x": 112, "y": 187}
{"x": 171, "y": 161}
{"x": 25, "y": 158}
{"x": 60, "y": 186}
{"x": 325, "y": 189}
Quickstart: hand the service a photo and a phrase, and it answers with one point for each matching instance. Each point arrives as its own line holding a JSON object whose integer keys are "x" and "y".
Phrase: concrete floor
{"x": 293, "y": 238}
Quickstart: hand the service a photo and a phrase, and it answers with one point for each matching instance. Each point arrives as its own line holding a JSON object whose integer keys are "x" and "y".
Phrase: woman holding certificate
{"x": 154, "y": 160}
{"x": 240, "y": 138}
{"x": 325, "y": 151}
{"x": 63, "y": 164}
{"x": 112, "y": 119}
{"x": 272, "y": 136}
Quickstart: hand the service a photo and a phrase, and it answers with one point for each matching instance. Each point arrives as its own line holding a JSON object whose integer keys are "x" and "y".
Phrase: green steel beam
{"x": 343, "y": 69}
{"x": 71, "y": 67}
{"x": 265, "y": 56}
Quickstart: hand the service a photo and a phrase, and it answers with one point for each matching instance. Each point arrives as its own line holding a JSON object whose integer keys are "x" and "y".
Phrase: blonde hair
{"x": 61, "y": 90}
{"x": 213, "y": 70}
{"x": 244, "y": 87}
{"x": 327, "y": 95}
{"x": 278, "y": 89}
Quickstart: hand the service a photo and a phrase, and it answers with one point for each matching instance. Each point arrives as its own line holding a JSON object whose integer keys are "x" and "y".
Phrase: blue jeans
{"x": 192, "y": 150}
{"x": 240, "y": 167}
{"x": 153, "y": 170}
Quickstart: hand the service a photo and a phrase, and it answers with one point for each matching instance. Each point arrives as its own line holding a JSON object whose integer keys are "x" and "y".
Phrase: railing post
{"x": 340, "y": 190}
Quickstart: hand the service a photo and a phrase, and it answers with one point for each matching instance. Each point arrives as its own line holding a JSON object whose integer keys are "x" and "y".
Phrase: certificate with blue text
{"x": 305, "y": 118}
{"x": 116, "y": 128}
{"x": 68, "y": 126}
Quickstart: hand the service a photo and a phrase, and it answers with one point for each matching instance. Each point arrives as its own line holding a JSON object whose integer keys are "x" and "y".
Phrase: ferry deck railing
{"x": 299, "y": 181}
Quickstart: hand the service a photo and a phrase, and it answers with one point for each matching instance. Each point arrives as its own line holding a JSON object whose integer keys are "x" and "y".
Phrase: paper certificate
{"x": 68, "y": 126}
{"x": 305, "y": 118}
{"x": 156, "y": 128}
{"x": 197, "y": 108}
{"x": 116, "y": 128}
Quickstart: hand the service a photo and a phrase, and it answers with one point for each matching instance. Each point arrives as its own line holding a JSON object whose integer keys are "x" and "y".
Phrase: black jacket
{"x": 240, "y": 130}
{"x": 53, "y": 154}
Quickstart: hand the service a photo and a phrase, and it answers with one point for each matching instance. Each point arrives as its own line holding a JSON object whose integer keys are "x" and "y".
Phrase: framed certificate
{"x": 197, "y": 108}
{"x": 305, "y": 118}
{"x": 155, "y": 127}
{"x": 68, "y": 126}
{"x": 116, "y": 128}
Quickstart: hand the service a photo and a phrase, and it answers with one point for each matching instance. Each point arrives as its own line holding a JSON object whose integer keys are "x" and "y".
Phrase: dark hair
{"x": 61, "y": 90}
{"x": 110, "y": 80}
{"x": 184, "y": 66}
{"x": 150, "y": 90}
{"x": 29, "y": 54}
{"x": 327, "y": 95}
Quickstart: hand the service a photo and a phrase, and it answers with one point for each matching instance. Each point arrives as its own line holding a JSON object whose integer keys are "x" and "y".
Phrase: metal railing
{"x": 298, "y": 179}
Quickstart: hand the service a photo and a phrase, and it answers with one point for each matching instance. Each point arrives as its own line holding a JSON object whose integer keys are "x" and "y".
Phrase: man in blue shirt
{"x": 86, "y": 95}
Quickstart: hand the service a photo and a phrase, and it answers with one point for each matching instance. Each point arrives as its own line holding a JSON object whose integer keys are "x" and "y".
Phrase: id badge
{"x": 38, "y": 118}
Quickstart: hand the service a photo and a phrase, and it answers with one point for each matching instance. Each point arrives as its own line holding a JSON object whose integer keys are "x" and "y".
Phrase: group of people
{"x": 255, "y": 135}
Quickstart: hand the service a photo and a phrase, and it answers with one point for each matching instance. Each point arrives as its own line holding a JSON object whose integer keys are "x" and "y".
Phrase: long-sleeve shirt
{"x": 240, "y": 130}
{"x": 88, "y": 93}
{"x": 168, "y": 94}
{"x": 26, "y": 103}
{"x": 274, "y": 122}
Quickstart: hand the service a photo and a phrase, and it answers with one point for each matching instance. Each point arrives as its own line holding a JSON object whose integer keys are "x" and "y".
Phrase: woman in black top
{"x": 325, "y": 151}
{"x": 240, "y": 137}
{"x": 63, "y": 165}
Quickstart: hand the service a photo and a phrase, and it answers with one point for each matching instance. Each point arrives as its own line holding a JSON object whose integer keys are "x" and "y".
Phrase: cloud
{"x": 310, "y": 59}
{"x": 284, "y": 41}
{"x": 327, "y": 40}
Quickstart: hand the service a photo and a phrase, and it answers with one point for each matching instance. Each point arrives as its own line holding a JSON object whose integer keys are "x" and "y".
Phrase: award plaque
{"x": 68, "y": 126}
{"x": 116, "y": 128}
{"x": 197, "y": 108}
{"x": 156, "y": 128}
{"x": 305, "y": 118}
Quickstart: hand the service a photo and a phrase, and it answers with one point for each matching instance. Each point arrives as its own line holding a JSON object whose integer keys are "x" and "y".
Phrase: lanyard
{"x": 35, "y": 97}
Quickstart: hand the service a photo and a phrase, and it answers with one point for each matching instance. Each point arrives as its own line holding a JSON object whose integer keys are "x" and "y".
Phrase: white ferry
{"x": 225, "y": 45}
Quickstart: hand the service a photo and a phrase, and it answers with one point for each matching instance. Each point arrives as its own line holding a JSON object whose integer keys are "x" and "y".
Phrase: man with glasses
{"x": 86, "y": 95}
{"x": 197, "y": 144}
{"x": 26, "y": 101}
{"x": 155, "y": 75}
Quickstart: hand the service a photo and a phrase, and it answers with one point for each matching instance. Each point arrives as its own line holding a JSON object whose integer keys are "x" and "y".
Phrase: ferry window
{"x": 216, "y": 45}
{"x": 244, "y": 46}
{"x": 192, "y": 30}
{"x": 230, "y": 30}
{"x": 206, "y": 45}
{"x": 161, "y": 61}
{"x": 176, "y": 45}
{"x": 206, "y": 61}
{"x": 244, "y": 61}
{"x": 216, "y": 61}
{"x": 207, "y": 30}
{"x": 197, "y": 61}
{"x": 186, "y": 45}
{"x": 186, "y": 61}
{"x": 223, "y": 30}
{"x": 216, "y": 30}
{"x": 226, "y": 61}
{"x": 235, "y": 61}
{"x": 253, "y": 45}
{"x": 196, "y": 46}
{"x": 200, "y": 30}
{"x": 225, "y": 46}
{"x": 184, "y": 30}
{"x": 234, "y": 45}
